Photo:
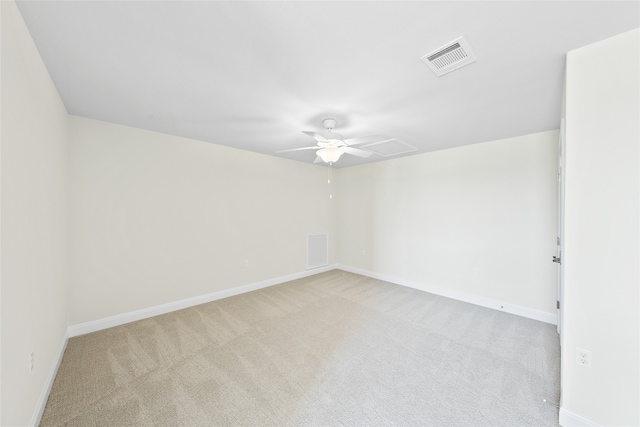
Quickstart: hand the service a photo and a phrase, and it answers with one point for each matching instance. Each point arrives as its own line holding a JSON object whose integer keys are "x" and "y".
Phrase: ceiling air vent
{"x": 449, "y": 57}
{"x": 389, "y": 147}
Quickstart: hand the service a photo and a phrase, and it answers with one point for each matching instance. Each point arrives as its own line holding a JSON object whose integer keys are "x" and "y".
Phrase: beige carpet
{"x": 331, "y": 349}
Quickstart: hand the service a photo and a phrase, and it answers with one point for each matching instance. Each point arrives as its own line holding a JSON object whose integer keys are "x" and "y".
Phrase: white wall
{"x": 478, "y": 220}
{"x": 601, "y": 259}
{"x": 159, "y": 218}
{"x": 34, "y": 221}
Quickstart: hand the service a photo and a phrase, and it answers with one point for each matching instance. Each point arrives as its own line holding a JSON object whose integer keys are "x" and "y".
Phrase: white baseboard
{"x": 121, "y": 319}
{"x": 460, "y": 296}
{"x": 571, "y": 419}
{"x": 44, "y": 395}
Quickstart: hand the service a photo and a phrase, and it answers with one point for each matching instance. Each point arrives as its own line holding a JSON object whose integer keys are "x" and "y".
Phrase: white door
{"x": 558, "y": 258}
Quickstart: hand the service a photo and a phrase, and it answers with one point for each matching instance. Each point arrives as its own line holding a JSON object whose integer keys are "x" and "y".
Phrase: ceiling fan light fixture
{"x": 330, "y": 154}
{"x": 330, "y": 146}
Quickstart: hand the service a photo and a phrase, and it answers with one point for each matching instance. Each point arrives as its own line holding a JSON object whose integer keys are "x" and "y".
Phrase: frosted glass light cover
{"x": 330, "y": 154}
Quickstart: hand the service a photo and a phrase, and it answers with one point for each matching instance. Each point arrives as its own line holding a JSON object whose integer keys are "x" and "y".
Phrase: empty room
{"x": 320, "y": 213}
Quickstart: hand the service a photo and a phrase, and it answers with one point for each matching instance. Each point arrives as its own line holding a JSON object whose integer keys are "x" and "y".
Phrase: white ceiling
{"x": 252, "y": 75}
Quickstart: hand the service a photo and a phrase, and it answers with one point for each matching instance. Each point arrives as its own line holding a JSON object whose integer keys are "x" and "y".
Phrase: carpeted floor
{"x": 331, "y": 349}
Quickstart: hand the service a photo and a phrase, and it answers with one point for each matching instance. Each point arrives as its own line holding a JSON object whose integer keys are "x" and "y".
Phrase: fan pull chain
{"x": 329, "y": 181}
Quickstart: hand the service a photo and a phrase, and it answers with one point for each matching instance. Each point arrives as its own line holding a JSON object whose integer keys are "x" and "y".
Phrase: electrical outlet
{"x": 246, "y": 263}
{"x": 583, "y": 357}
{"x": 31, "y": 362}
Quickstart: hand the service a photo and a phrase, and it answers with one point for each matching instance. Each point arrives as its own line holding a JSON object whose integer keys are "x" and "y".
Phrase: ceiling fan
{"x": 331, "y": 145}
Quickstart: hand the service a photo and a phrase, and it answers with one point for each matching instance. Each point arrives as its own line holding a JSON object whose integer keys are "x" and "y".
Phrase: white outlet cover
{"x": 583, "y": 357}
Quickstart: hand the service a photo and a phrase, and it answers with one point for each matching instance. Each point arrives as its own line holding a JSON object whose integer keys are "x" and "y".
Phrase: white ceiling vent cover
{"x": 389, "y": 147}
{"x": 449, "y": 57}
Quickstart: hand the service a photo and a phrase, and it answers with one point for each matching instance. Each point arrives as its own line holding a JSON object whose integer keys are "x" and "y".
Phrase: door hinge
{"x": 558, "y": 305}
{"x": 558, "y": 241}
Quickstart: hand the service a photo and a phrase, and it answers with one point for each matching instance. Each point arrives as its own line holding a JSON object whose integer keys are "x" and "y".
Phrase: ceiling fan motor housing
{"x": 333, "y": 137}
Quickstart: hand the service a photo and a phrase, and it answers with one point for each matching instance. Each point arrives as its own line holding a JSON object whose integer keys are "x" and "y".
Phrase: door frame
{"x": 560, "y": 236}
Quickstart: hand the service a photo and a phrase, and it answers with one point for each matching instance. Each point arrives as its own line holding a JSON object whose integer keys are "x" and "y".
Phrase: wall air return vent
{"x": 317, "y": 250}
{"x": 449, "y": 57}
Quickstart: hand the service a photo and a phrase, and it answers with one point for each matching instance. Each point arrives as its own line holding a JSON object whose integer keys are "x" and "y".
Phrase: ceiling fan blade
{"x": 368, "y": 139}
{"x": 318, "y": 159}
{"x": 356, "y": 152}
{"x": 315, "y": 136}
{"x": 298, "y": 149}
